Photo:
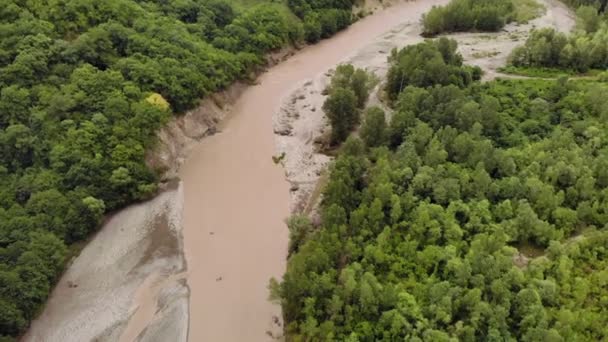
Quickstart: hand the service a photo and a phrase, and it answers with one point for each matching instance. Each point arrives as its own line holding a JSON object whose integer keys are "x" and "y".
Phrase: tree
{"x": 588, "y": 19}
{"x": 299, "y": 227}
{"x": 341, "y": 109}
{"x": 360, "y": 84}
{"x": 374, "y": 131}
{"x": 346, "y": 76}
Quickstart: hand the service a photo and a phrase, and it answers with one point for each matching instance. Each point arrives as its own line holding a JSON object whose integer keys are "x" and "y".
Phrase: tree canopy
{"x": 481, "y": 216}
{"x": 426, "y": 64}
{"x": 84, "y": 86}
{"x": 466, "y": 15}
{"x": 348, "y": 93}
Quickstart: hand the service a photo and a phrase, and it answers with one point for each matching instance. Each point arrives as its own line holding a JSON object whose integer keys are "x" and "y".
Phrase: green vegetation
{"x": 585, "y": 49}
{"x": 419, "y": 229}
{"x": 526, "y": 10}
{"x": 478, "y": 15}
{"x": 599, "y": 4}
{"x": 466, "y": 15}
{"x": 426, "y": 64}
{"x": 374, "y": 130}
{"x": 322, "y": 18}
{"x": 84, "y": 86}
{"x": 541, "y": 72}
{"x": 348, "y": 93}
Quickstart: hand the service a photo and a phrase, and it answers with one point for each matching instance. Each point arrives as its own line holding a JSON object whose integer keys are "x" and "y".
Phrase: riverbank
{"x": 100, "y": 298}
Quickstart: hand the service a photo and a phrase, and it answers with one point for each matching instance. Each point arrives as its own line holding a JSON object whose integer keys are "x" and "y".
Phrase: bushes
{"x": 600, "y": 4}
{"x": 426, "y": 64}
{"x": 548, "y": 48}
{"x": 323, "y": 18}
{"x": 466, "y": 15}
{"x": 324, "y": 24}
{"x": 588, "y": 19}
{"x": 348, "y": 93}
{"x": 586, "y": 48}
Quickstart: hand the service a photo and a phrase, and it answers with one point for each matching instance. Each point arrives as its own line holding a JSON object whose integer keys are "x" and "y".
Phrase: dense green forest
{"x": 84, "y": 86}
{"x": 477, "y": 212}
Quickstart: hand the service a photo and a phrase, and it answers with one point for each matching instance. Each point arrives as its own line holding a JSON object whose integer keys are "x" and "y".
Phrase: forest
{"x": 473, "y": 212}
{"x": 84, "y": 86}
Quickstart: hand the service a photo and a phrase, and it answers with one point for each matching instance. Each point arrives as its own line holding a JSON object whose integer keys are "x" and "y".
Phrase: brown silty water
{"x": 236, "y": 198}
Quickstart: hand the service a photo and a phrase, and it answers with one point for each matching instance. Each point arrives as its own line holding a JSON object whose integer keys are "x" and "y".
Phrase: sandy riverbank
{"x": 101, "y": 297}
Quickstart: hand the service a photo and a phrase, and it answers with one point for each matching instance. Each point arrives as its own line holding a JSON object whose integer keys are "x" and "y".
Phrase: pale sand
{"x": 107, "y": 284}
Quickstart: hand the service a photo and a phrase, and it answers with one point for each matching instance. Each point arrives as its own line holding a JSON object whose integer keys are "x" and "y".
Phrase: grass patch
{"x": 526, "y": 10}
{"x": 486, "y": 36}
{"x": 547, "y": 72}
